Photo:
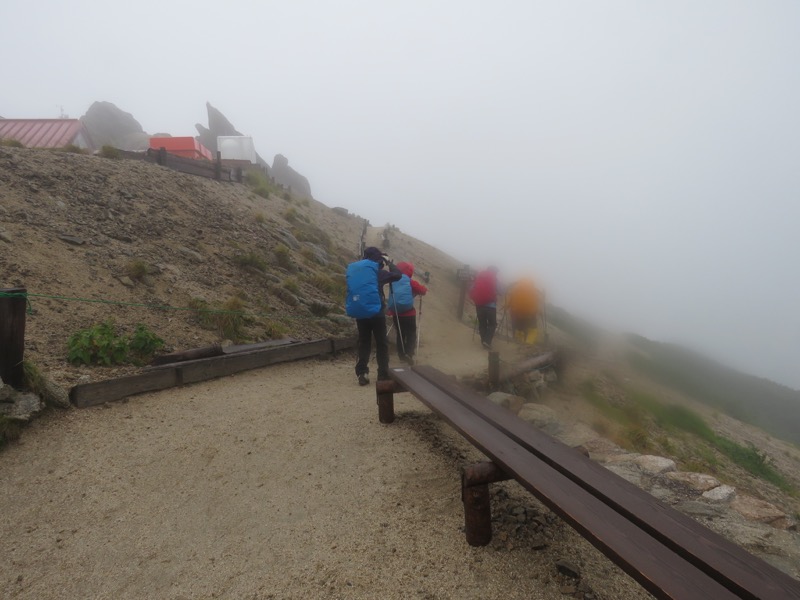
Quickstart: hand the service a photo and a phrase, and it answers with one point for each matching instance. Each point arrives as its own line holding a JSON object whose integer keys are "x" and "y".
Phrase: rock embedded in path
{"x": 23, "y": 406}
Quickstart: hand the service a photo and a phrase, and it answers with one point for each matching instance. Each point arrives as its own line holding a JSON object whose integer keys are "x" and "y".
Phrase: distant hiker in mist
{"x": 366, "y": 303}
{"x": 483, "y": 294}
{"x": 400, "y": 306}
{"x": 522, "y": 304}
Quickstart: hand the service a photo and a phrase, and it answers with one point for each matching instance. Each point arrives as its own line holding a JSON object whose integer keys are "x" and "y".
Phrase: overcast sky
{"x": 640, "y": 158}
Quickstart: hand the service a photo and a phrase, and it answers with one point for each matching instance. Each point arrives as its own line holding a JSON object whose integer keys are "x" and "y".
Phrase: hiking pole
{"x": 397, "y": 316}
{"x": 419, "y": 325}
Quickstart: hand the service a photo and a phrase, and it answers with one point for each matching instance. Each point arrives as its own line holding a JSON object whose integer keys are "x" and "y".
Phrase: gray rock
{"x": 699, "y": 509}
{"x": 288, "y": 239}
{"x": 722, "y": 494}
{"x": 71, "y": 239}
{"x": 540, "y": 416}
{"x": 568, "y": 568}
{"x": 24, "y": 407}
{"x": 4, "y": 237}
{"x": 55, "y": 395}
{"x": 655, "y": 465}
{"x": 507, "y": 401}
{"x": 628, "y": 471}
{"x": 696, "y": 481}
{"x": 6, "y": 392}
{"x": 127, "y": 281}
{"x": 196, "y": 256}
{"x": 339, "y": 210}
{"x": 754, "y": 509}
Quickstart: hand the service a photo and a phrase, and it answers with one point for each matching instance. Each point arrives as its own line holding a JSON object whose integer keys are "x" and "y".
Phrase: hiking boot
{"x": 487, "y": 346}
{"x": 410, "y": 361}
{"x": 363, "y": 379}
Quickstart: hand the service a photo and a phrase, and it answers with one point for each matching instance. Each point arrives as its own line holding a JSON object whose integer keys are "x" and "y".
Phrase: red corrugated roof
{"x": 44, "y": 133}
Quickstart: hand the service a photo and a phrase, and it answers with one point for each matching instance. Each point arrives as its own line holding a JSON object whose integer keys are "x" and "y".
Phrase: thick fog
{"x": 640, "y": 159}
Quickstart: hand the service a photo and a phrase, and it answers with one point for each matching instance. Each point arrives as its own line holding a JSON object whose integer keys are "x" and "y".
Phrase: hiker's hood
{"x": 406, "y": 268}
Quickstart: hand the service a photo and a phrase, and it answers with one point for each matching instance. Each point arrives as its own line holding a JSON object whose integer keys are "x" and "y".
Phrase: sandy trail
{"x": 275, "y": 483}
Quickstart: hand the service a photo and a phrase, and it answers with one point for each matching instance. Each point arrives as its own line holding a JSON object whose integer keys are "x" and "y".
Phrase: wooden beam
{"x": 13, "y": 303}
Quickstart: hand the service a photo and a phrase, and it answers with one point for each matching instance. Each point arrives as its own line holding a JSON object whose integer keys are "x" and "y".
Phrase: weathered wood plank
{"x": 100, "y": 392}
{"x": 730, "y": 564}
{"x": 220, "y": 366}
{"x": 656, "y": 567}
{"x": 184, "y": 355}
{"x": 164, "y": 376}
{"x": 257, "y": 346}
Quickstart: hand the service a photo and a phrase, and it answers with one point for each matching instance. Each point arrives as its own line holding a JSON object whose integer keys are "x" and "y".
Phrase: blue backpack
{"x": 363, "y": 295}
{"x": 402, "y": 298}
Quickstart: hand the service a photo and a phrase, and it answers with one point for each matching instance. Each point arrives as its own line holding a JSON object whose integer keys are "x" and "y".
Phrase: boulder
{"x": 110, "y": 126}
{"x": 540, "y": 416}
{"x": 754, "y": 509}
{"x": 655, "y": 465}
{"x": 23, "y": 407}
{"x": 54, "y": 395}
{"x": 287, "y": 176}
{"x": 721, "y": 494}
{"x": 507, "y": 401}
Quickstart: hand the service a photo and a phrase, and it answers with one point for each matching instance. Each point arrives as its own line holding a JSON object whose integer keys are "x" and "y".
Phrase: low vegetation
{"x": 228, "y": 319}
{"x": 259, "y": 183}
{"x": 639, "y": 422}
{"x": 109, "y": 152}
{"x": 11, "y": 143}
{"x": 251, "y": 260}
{"x": 102, "y": 345}
{"x": 136, "y": 269}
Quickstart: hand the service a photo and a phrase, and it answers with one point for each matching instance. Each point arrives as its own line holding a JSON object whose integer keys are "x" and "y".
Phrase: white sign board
{"x": 236, "y": 147}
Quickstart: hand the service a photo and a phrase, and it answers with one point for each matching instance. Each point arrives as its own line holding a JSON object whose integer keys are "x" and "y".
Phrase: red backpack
{"x": 484, "y": 289}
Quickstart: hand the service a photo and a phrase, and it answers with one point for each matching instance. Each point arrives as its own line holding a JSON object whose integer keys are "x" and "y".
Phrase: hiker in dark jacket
{"x": 366, "y": 303}
{"x": 400, "y": 306}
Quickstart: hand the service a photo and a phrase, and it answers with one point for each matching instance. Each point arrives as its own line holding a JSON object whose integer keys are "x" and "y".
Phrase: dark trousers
{"x": 374, "y": 327}
{"x": 406, "y": 335}
{"x": 487, "y": 323}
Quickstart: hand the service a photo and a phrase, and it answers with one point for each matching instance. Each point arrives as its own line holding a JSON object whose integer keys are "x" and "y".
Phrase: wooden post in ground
{"x": 161, "y": 159}
{"x": 494, "y": 370}
{"x": 475, "y": 480}
{"x": 385, "y": 393}
{"x": 13, "y": 302}
{"x": 218, "y": 166}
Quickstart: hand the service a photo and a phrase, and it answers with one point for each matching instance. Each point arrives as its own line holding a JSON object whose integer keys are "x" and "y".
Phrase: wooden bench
{"x": 668, "y": 553}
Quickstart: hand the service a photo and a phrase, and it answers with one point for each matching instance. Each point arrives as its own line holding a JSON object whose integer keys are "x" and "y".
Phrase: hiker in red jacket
{"x": 400, "y": 306}
{"x": 484, "y": 294}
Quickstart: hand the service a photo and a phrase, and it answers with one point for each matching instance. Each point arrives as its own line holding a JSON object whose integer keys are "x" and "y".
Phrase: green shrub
{"x": 11, "y": 143}
{"x": 259, "y": 183}
{"x": 291, "y": 215}
{"x": 290, "y": 283}
{"x": 109, "y": 152}
{"x": 33, "y": 380}
{"x": 259, "y": 217}
{"x": 284, "y": 295}
{"x": 72, "y": 148}
{"x": 251, "y": 260}
{"x": 144, "y": 344}
{"x": 283, "y": 257}
{"x": 319, "y": 309}
{"x": 202, "y": 312}
{"x": 231, "y": 322}
{"x": 286, "y": 196}
{"x": 100, "y": 344}
{"x": 136, "y": 269}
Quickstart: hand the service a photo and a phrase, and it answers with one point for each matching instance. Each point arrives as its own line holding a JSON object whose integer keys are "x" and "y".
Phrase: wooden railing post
{"x": 13, "y": 302}
{"x": 384, "y": 391}
{"x": 475, "y": 480}
{"x": 494, "y": 370}
{"x": 218, "y": 166}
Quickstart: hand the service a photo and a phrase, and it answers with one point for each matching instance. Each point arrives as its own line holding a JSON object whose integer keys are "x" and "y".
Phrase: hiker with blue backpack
{"x": 366, "y": 303}
{"x": 401, "y": 308}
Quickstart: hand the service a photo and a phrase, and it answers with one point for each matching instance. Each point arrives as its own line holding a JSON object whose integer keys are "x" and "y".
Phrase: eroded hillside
{"x": 94, "y": 239}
